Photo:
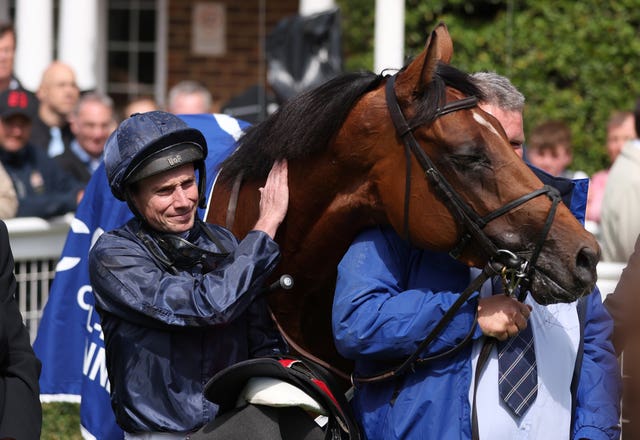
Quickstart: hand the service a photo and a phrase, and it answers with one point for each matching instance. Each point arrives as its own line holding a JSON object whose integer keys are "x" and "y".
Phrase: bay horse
{"x": 349, "y": 169}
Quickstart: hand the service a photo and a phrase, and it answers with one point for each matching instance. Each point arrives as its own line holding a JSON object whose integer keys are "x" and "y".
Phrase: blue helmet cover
{"x": 141, "y": 136}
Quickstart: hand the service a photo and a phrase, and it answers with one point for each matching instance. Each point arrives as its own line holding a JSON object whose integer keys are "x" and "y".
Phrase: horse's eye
{"x": 470, "y": 162}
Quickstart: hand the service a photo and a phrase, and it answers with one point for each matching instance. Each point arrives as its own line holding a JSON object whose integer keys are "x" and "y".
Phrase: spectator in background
{"x": 92, "y": 121}
{"x": 8, "y": 198}
{"x": 7, "y": 56}
{"x": 189, "y": 97}
{"x": 43, "y": 188}
{"x": 620, "y": 129}
{"x": 58, "y": 94}
{"x": 624, "y": 306}
{"x": 20, "y": 409}
{"x": 620, "y": 212}
{"x": 141, "y": 104}
{"x": 549, "y": 148}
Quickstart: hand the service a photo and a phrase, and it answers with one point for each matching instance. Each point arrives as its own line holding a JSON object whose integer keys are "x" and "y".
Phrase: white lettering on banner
{"x": 89, "y": 355}
{"x": 90, "y": 326}
{"x": 94, "y": 363}
{"x": 82, "y": 291}
{"x": 94, "y": 354}
{"x": 97, "y": 327}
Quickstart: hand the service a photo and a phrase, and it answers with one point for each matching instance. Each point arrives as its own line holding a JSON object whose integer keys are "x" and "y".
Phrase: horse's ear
{"x": 444, "y": 44}
{"x": 439, "y": 48}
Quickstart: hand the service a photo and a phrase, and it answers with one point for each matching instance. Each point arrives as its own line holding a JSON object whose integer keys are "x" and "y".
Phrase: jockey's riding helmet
{"x": 149, "y": 143}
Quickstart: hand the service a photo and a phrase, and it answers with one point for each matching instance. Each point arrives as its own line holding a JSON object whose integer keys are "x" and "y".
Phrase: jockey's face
{"x": 168, "y": 201}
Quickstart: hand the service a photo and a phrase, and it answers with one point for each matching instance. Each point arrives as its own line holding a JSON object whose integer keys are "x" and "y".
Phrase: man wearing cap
{"x": 178, "y": 299}
{"x": 43, "y": 188}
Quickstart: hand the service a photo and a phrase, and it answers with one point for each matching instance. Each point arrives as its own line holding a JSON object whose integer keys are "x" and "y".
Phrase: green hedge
{"x": 61, "y": 421}
{"x": 574, "y": 60}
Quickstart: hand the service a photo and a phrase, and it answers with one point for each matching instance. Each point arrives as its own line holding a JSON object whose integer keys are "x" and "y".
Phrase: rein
{"x": 304, "y": 353}
{"x": 233, "y": 202}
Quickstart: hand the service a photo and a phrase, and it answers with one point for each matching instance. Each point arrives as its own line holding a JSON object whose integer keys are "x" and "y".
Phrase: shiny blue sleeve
{"x": 597, "y": 413}
{"x": 129, "y": 283}
{"x": 389, "y": 297}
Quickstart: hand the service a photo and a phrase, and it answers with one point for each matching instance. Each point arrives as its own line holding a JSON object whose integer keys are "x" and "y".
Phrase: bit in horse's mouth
{"x": 546, "y": 291}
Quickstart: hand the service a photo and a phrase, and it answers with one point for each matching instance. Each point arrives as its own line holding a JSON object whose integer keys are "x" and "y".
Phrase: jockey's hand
{"x": 274, "y": 199}
{"x": 502, "y": 316}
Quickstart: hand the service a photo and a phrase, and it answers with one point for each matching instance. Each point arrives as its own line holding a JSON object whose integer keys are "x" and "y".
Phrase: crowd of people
{"x": 52, "y": 141}
{"x": 166, "y": 282}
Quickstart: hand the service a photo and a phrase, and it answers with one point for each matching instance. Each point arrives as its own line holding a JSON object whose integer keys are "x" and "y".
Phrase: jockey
{"x": 178, "y": 299}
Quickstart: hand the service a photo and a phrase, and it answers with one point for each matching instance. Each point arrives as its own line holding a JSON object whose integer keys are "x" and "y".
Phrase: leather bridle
{"x": 471, "y": 221}
{"x": 515, "y": 270}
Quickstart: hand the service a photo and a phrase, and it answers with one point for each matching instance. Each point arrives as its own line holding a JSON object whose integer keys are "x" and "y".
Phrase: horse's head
{"x": 468, "y": 191}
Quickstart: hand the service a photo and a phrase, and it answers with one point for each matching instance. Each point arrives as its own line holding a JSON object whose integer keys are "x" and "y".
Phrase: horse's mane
{"x": 303, "y": 125}
{"x": 306, "y": 123}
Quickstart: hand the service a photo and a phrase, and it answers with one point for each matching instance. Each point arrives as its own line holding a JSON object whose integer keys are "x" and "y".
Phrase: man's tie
{"x": 517, "y": 371}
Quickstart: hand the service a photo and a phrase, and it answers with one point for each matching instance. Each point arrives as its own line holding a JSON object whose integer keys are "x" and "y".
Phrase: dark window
{"x": 131, "y": 51}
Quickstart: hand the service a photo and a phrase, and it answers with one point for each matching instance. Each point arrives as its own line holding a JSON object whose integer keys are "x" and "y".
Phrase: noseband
{"x": 472, "y": 223}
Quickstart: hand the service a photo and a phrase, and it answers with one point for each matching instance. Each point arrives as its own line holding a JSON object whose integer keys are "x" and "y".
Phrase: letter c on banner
{"x": 82, "y": 291}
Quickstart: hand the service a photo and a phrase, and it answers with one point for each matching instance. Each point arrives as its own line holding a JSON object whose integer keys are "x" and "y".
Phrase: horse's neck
{"x": 325, "y": 213}
{"x": 236, "y": 210}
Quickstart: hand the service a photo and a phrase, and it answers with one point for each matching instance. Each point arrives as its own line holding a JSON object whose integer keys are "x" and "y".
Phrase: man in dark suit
{"x": 20, "y": 409}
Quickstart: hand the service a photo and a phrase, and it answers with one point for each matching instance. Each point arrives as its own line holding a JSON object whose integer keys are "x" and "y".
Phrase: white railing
{"x": 36, "y": 244}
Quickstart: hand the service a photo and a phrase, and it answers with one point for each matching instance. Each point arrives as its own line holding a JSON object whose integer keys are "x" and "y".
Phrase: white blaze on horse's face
{"x": 482, "y": 121}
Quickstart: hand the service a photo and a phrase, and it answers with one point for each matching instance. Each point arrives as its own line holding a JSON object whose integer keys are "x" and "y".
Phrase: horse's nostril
{"x": 586, "y": 262}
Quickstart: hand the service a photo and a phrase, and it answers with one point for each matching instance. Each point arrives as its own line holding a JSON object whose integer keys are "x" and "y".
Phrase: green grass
{"x": 60, "y": 421}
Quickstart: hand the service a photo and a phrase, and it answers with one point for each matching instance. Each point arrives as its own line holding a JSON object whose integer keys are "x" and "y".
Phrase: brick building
{"x": 143, "y": 47}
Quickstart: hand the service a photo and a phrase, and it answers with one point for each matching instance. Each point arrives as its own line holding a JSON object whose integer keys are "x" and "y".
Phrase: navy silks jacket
{"x": 167, "y": 334}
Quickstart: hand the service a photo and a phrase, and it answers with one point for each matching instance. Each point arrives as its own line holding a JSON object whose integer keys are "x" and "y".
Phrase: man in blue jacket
{"x": 390, "y": 295}
{"x": 179, "y": 299}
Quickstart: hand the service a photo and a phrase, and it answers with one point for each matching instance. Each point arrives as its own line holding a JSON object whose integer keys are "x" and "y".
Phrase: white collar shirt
{"x": 556, "y": 333}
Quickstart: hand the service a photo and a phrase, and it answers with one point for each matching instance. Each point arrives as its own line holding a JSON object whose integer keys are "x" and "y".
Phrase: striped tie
{"x": 517, "y": 371}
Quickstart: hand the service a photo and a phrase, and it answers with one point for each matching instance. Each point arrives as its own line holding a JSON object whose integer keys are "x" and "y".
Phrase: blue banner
{"x": 70, "y": 342}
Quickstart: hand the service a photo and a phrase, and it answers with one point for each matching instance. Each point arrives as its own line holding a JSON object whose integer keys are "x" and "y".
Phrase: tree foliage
{"x": 574, "y": 60}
